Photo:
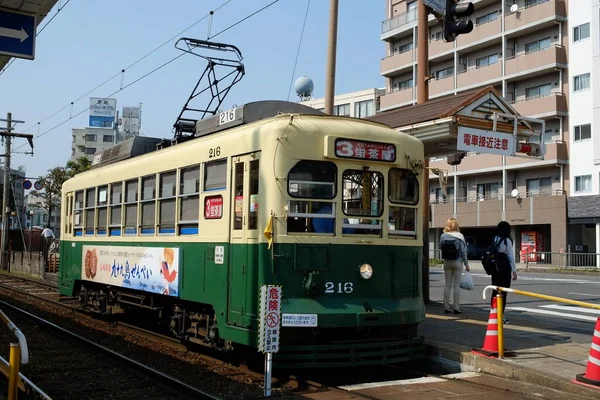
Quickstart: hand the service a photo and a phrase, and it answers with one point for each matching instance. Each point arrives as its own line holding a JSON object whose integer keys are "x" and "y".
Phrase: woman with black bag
{"x": 506, "y": 262}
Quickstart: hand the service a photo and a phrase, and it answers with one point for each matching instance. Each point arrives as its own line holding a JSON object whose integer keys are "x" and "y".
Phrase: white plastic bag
{"x": 466, "y": 281}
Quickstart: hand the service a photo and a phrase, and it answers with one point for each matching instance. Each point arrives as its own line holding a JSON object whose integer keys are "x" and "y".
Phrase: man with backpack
{"x": 454, "y": 254}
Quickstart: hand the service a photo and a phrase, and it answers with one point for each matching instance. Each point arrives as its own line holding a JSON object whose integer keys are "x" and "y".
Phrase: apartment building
{"x": 87, "y": 141}
{"x": 521, "y": 48}
{"x": 361, "y": 104}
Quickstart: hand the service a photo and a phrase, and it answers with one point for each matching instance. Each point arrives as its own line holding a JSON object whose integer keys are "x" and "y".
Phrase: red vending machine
{"x": 531, "y": 243}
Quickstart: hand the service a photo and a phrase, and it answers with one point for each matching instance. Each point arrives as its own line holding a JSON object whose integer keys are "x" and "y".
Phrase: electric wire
{"x": 145, "y": 75}
{"x": 37, "y": 34}
{"x": 298, "y": 51}
{"x": 122, "y": 71}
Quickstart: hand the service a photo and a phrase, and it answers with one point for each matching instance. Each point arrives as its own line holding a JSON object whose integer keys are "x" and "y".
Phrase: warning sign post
{"x": 269, "y": 324}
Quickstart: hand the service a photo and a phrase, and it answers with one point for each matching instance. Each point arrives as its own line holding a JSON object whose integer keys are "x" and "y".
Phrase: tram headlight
{"x": 366, "y": 271}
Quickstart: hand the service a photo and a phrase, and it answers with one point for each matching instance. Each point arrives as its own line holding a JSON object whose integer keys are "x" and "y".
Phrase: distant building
{"x": 37, "y": 214}
{"x": 87, "y": 141}
{"x": 130, "y": 121}
{"x": 359, "y": 104}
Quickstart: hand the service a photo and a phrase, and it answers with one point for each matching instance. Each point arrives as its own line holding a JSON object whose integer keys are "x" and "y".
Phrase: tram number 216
{"x": 332, "y": 287}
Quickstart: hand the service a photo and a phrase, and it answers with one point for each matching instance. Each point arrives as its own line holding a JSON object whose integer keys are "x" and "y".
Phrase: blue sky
{"x": 90, "y": 41}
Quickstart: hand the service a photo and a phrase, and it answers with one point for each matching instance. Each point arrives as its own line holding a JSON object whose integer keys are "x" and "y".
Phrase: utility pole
{"x": 331, "y": 54}
{"x": 423, "y": 97}
{"x": 7, "y": 135}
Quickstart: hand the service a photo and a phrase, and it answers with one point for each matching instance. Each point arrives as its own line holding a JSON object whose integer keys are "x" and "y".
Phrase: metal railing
{"x": 399, "y": 20}
{"x": 564, "y": 260}
{"x": 493, "y": 197}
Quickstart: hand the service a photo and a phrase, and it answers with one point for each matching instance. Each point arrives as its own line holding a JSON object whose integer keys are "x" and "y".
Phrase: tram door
{"x": 243, "y": 260}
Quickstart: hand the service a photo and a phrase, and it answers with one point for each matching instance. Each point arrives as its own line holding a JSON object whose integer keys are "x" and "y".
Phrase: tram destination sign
{"x": 364, "y": 150}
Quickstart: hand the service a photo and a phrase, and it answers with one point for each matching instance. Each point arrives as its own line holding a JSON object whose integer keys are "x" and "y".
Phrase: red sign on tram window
{"x": 362, "y": 150}
{"x": 213, "y": 207}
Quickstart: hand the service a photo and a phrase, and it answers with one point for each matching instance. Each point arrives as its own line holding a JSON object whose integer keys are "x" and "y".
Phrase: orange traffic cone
{"x": 592, "y": 373}
{"x": 490, "y": 344}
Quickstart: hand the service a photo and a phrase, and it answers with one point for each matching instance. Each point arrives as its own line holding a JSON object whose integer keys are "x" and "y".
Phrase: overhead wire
{"x": 37, "y": 33}
{"x": 298, "y": 51}
{"x": 122, "y": 71}
{"x": 150, "y": 72}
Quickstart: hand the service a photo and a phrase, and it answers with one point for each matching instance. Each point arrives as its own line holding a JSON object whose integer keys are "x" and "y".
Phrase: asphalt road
{"x": 574, "y": 287}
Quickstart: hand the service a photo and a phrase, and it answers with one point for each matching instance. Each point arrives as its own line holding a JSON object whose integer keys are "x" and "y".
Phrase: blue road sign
{"x": 26, "y": 184}
{"x": 17, "y": 34}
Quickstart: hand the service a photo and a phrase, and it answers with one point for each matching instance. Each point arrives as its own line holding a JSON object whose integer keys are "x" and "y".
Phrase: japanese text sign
{"x": 269, "y": 322}
{"x": 213, "y": 208}
{"x": 482, "y": 141}
{"x": 362, "y": 150}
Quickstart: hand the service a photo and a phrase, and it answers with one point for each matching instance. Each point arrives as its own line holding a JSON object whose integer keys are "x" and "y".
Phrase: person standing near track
{"x": 506, "y": 262}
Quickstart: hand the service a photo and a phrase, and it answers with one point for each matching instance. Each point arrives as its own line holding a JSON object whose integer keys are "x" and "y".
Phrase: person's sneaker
{"x": 447, "y": 312}
{"x": 457, "y": 312}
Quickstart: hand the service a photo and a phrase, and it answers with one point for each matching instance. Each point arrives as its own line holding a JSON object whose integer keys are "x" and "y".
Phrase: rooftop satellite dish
{"x": 514, "y": 193}
{"x": 514, "y": 8}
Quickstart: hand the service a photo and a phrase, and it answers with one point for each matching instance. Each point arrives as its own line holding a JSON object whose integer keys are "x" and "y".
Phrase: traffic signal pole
{"x": 423, "y": 97}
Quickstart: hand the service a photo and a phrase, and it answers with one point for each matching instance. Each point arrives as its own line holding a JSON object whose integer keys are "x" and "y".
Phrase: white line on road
{"x": 425, "y": 379}
{"x": 558, "y": 314}
{"x": 573, "y": 309}
{"x": 535, "y": 278}
{"x": 586, "y": 294}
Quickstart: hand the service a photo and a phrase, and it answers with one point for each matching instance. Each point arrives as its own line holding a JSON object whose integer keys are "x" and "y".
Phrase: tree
{"x": 52, "y": 183}
{"x": 78, "y": 166}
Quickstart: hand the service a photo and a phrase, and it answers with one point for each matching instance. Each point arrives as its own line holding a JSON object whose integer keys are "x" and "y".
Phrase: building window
{"x": 488, "y": 191}
{"x": 107, "y": 138}
{"x": 444, "y": 73}
{"x": 487, "y": 18}
{"x": 90, "y": 138}
{"x": 538, "y": 45}
{"x": 89, "y": 150}
{"x": 581, "y": 82}
{"x": 73, "y": 138}
{"x": 538, "y": 91}
{"x": 403, "y": 48}
{"x": 402, "y": 85}
{"x": 581, "y": 32}
{"x": 487, "y": 60}
{"x": 531, "y": 3}
{"x": 538, "y": 186}
{"x": 72, "y": 152}
{"x": 583, "y": 183}
{"x": 411, "y": 11}
{"x": 342, "y": 109}
{"x": 363, "y": 109}
{"x": 583, "y": 132}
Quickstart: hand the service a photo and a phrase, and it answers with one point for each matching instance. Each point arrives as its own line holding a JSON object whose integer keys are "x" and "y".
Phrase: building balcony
{"x": 439, "y": 46}
{"x": 537, "y": 13}
{"x": 552, "y": 104}
{"x": 392, "y": 64}
{"x": 480, "y": 33}
{"x": 550, "y": 57}
{"x": 398, "y": 24}
{"x": 396, "y": 98}
{"x": 526, "y": 209}
{"x": 438, "y": 86}
{"x": 480, "y": 75}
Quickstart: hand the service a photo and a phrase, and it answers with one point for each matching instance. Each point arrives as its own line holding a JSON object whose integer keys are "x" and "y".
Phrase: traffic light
{"x": 453, "y": 25}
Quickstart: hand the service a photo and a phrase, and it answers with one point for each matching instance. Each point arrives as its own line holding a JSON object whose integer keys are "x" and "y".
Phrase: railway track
{"x": 68, "y": 366}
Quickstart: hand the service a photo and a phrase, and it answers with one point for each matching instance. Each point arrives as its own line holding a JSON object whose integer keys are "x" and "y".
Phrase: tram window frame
{"x": 393, "y": 221}
{"x": 211, "y": 182}
{"x": 147, "y": 223}
{"x": 357, "y": 223}
{"x": 102, "y": 210}
{"x": 253, "y": 188}
{"x": 116, "y": 208}
{"x": 302, "y": 215}
{"x": 130, "y": 204}
{"x": 90, "y": 211}
{"x": 78, "y": 212}
{"x": 238, "y": 190}
{"x": 391, "y": 182}
{"x": 69, "y": 217}
{"x": 167, "y": 202}
{"x": 189, "y": 226}
{"x": 305, "y": 167}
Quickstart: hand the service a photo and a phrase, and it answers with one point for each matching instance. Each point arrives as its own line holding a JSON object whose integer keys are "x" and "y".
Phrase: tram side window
{"x": 403, "y": 189}
{"x": 167, "y": 199}
{"x": 116, "y": 198}
{"x": 317, "y": 180}
{"x": 189, "y": 200}
{"x": 131, "y": 198}
{"x": 90, "y": 210}
{"x": 79, "y": 213}
{"x": 148, "y": 204}
{"x": 362, "y": 199}
{"x": 238, "y": 216}
{"x": 102, "y": 210}
{"x": 215, "y": 175}
{"x": 253, "y": 211}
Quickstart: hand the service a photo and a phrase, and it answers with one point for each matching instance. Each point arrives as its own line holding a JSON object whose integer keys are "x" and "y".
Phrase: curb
{"x": 536, "y": 270}
{"x": 450, "y": 358}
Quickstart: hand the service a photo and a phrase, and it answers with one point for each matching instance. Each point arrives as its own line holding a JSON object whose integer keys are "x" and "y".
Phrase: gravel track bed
{"x": 223, "y": 380}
